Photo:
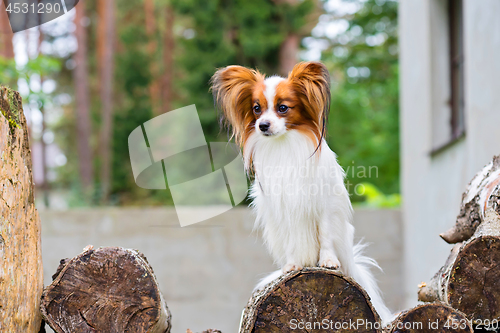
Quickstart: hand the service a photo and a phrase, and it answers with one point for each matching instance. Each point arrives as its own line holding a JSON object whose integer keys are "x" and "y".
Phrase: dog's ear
{"x": 312, "y": 81}
{"x": 232, "y": 90}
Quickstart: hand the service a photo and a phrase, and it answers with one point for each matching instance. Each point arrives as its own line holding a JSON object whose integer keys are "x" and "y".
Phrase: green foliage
{"x": 364, "y": 123}
{"x": 374, "y": 198}
{"x": 10, "y": 74}
{"x": 40, "y": 66}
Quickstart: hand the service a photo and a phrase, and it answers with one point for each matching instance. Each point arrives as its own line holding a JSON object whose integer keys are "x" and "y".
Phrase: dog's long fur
{"x": 298, "y": 193}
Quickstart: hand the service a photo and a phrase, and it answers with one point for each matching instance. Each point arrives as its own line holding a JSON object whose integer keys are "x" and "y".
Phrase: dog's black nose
{"x": 264, "y": 126}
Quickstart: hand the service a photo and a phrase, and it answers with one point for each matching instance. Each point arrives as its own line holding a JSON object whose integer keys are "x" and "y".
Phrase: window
{"x": 447, "y": 74}
{"x": 457, "y": 68}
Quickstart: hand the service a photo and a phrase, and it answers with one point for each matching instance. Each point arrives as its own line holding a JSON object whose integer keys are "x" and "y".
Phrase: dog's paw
{"x": 330, "y": 263}
{"x": 292, "y": 267}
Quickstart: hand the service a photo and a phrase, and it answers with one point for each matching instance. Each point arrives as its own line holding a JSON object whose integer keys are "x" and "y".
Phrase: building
{"x": 450, "y": 113}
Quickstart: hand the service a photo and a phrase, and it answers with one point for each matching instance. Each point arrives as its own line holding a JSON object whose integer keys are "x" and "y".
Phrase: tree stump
{"x": 110, "y": 289}
{"x": 21, "y": 272}
{"x": 474, "y": 199}
{"x": 316, "y": 299}
{"x": 434, "y": 317}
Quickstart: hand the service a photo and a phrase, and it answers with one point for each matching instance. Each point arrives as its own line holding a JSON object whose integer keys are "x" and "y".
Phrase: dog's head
{"x": 252, "y": 103}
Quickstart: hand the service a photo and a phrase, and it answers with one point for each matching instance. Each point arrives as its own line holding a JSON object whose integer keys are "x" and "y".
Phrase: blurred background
{"x": 90, "y": 77}
{"x": 413, "y": 85}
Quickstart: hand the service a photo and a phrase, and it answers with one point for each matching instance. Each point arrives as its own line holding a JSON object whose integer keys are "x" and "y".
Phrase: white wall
{"x": 432, "y": 185}
{"x": 206, "y": 271}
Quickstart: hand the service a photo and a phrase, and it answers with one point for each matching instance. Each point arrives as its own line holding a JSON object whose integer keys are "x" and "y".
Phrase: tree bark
{"x": 106, "y": 60}
{"x": 168, "y": 60}
{"x": 110, "y": 289}
{"x": 289, "y": 53}
{"x": 289, "y": 48}
{"x": 474, "y": 203}
{"x": 311, "y": 295}
{"x": 6, "y": 34}
{"x": 45, "y": 186}
{"x": 21, "y": 272}
{"x": 82, "y": 98}
{"x": 434, "y": 317}
{"x": 151, "y": 31}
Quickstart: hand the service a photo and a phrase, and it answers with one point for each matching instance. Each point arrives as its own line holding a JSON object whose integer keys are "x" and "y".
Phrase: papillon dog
{"x": 298, "y": 192}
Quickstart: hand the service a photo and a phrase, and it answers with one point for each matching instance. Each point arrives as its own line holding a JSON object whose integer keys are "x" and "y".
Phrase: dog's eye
{"x": 282, "y": 108}
{"x": 256, "y": 109}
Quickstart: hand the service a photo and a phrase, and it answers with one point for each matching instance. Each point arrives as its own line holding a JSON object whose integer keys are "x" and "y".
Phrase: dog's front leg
{"x": 327, "y": 231}
{"x": 293, "y": 263}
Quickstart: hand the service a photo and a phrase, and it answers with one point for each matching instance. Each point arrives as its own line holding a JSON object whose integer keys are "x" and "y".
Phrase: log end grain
{"x": 474, "y": 284}
{"x": 432, "y": 317}
{"x": 106, "y": 290}
{"x": 310, "y": 296}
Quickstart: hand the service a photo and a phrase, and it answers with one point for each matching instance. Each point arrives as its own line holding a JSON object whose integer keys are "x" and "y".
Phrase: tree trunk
{"x": 473, "y": 203}
{"x": 6, "y": 46}
{"x": 151, "y": 31}
{"x": 289, "y": 53}
{"x": 45, "y": 186}
{"x": 110, "y": 289}
{"x": 434, "y": 317}
{"x": 168, "y": 60}
{"x": 289, "y": 49}
{"x": 106, "y": 60}
{"x": 313, "y": 295}
{"x": 21, "y": 272}
{"x": 82, "y": 98}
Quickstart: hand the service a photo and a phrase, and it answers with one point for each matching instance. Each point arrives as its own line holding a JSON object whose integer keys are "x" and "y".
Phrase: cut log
{"x": 434, "y": 317}
{"x": 110, "y": 289}
{"x": 483, "y": 186}
{"x": 316, "y": 299}
{"x": 21, "y": 272}
{"x": 469, "y": 279}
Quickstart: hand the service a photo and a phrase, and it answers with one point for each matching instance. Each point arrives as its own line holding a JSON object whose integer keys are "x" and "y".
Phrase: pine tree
{"x": 82, "y": 102}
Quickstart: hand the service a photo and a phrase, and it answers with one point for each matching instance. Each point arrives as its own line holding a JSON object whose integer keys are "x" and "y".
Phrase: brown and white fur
{"x": 298, "y": 192}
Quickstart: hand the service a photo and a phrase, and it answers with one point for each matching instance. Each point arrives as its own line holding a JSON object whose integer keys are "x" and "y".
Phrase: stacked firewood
{"x": 469, "y": 279}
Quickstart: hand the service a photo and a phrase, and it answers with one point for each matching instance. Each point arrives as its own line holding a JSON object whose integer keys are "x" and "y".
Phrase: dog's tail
{"x": 363, "y": 275}
{"x": 266, "y": 280}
